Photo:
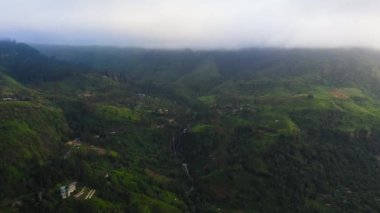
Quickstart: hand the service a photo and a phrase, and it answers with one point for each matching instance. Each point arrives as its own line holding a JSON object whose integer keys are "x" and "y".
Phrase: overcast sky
{"x": 194, "y": 23}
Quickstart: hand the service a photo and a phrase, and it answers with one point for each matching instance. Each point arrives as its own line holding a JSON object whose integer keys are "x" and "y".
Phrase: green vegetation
{"x": 116, "y": 114}
{"x": 256, "y": 130}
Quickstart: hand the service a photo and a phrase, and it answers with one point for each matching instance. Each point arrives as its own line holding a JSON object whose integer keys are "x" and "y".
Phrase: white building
{"x": 71, "y": 188}
{"x": 67, "y": 190}
{"x": 63, "y": 192}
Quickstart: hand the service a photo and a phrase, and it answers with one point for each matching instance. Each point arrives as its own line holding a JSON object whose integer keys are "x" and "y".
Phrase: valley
{"x": 256, "y": 130}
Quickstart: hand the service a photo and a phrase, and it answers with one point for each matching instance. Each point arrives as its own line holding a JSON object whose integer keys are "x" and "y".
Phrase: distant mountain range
{"x": 254, "y": 130}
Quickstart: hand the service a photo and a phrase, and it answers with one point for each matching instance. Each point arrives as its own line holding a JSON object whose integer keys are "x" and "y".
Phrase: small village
{"x": 15, "y": 98}
{"x": 70, "y": 190}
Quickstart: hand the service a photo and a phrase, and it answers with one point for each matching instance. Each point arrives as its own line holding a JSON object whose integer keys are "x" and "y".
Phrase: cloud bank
{"x": 194, "y": 23}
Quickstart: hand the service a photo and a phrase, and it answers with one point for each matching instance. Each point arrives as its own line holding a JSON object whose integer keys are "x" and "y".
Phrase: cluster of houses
{"x": 68, "y": 190}
{"x": 162, "y": 111}
{"x": 15, "y": 98}
{"x": 230, "y": 109}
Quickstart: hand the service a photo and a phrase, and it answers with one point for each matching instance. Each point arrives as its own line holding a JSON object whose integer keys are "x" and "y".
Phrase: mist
{"x": 205, "y": 24}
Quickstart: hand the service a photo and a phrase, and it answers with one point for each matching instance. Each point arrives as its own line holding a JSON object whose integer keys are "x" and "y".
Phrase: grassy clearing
{"x": 116, "y": 113}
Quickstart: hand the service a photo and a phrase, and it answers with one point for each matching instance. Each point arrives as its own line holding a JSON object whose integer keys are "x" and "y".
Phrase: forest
{"x": 150, "y": 130}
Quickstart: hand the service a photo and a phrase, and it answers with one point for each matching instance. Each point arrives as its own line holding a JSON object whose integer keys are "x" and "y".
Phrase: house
{"x": 8, "y": 99}
{"x": 63, "y": 192}
{"x": 66, "y": 191}
{"x": 71, "y": 188}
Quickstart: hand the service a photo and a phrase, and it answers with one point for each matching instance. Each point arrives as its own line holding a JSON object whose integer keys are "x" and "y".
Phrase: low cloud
{"x": 194, "y": 23}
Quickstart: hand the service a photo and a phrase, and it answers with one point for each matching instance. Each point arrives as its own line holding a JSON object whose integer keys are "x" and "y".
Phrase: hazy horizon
{"x": 196, "y": 24}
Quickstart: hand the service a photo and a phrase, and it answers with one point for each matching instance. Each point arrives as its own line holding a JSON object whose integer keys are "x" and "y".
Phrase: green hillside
{"x": 255, "y": 130}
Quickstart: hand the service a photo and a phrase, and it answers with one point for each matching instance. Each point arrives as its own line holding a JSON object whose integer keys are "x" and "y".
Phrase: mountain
{"x": 254, "y": 130}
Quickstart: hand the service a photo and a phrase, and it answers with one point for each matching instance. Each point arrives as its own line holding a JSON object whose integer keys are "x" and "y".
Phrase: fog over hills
{"x": 263, "y": 129}
{"x": 195, "y": 24}
{"x": 173, "y": 106}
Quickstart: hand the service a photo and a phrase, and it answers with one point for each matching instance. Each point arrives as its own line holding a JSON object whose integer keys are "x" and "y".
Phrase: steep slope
{"x": 31, "y": 130}
{"x": 270, "y": 130}
{"x": 266, "y": 130}
{"x": 115, "y": 137}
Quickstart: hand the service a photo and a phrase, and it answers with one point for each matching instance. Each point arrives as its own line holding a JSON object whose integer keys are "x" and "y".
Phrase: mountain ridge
{"x": 265, "y": 130}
